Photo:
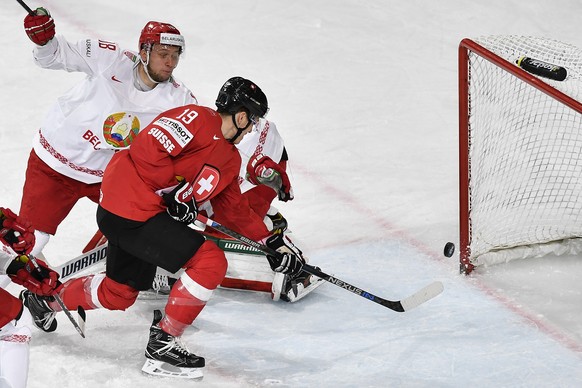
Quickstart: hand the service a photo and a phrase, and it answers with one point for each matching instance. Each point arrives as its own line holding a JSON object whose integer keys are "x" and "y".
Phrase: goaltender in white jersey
{"x": 122, "y": 92}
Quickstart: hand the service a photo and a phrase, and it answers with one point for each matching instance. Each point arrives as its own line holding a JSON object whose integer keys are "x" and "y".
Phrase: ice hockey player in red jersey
{"x": 16, "y": 241}
{"x": 122, "y": 92}
{"x": 150, "y": 195}
{"x": 263, "y": 178}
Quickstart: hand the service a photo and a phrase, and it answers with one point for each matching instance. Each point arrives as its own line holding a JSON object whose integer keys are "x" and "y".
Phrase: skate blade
{"x": 152, "y": 295}
{"x": 160, "y": 368}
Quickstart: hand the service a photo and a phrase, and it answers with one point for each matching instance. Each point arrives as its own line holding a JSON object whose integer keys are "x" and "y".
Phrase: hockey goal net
{"x": 520, "y": 150}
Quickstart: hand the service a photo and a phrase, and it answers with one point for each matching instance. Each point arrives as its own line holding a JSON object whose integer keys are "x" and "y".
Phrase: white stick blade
{"x": 421, "y": 296}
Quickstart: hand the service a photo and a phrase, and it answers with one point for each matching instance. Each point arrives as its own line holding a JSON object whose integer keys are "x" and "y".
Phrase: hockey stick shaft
{"x": 406, "y": 304}
{"x": 61, "y": 303}
{"x": 80, "y": 263}
{"x": 56, "y": 296}
{"x": 26, "y": 7}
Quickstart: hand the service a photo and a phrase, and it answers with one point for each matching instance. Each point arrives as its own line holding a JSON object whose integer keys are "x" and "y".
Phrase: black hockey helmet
{"x": 238, "y": 94}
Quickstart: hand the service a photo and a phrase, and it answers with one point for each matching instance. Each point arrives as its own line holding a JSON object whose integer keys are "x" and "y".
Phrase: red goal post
{"x": 520, "y": 151}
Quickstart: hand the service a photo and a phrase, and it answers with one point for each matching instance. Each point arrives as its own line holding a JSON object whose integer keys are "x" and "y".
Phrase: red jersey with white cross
{"x": 186, "y": 141}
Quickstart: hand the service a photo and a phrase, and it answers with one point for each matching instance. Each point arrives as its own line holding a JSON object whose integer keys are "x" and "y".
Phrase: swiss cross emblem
{"x": 205, "y": 183}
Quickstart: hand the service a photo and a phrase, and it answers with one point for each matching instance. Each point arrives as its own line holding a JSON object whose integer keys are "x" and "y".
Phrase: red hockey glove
{"x": 289, "y": 259}
{"x": 41, "y": 280}
{"x": 181, "y": 204}
{"x": 262, "y": 170}
{"x": 40, "y": 27}
{"x": 16, "y": 232}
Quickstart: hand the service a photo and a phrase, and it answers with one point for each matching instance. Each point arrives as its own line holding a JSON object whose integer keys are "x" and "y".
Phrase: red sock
{"x": 76, "y": 292}
{"x": 181, "y": 310}
{"x": 204, "y": 272}
{"x": 11, "y": 307}
{"x": 95, "y": 291}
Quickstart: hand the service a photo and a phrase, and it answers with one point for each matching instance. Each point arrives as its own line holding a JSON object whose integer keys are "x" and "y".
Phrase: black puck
{"x": 449, "y": 249}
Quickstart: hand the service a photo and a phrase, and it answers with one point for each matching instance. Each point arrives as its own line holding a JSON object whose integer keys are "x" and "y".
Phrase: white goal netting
{"x": 525, "y": 154}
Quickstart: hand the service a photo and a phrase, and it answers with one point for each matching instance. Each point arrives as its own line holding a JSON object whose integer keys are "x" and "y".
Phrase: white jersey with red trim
{"x": 6, "y": 256}
{"x": 265, "y": 139}
{"x": 103, "y": 113}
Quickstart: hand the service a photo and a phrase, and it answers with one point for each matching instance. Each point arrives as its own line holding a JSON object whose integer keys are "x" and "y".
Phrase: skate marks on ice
{"x": 330, "y": 338}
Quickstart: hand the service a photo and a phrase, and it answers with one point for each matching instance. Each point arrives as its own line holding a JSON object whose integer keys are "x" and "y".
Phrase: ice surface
{"x": 365, "y": 94}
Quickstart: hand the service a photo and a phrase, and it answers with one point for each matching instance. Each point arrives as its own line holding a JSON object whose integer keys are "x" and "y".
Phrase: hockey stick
{"x": 82, "y": 316}
{"x": 82, "y": 262}
{"x": 412, "y": 301}
{"x": 26, "y": 7}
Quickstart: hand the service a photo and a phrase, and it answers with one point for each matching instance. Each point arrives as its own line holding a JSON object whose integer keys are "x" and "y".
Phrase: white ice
{"x": 365, "y": 94}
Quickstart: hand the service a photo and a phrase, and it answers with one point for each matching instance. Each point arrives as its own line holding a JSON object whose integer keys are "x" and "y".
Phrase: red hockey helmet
{"x": 161, "y": 33}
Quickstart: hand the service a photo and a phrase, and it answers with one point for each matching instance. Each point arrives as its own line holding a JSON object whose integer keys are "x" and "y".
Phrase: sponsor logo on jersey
{"x": 113, "y": 78}
{"x": 176, "y": 129}
{"x": 205, "y": 183}
{"x": 88, "y": 48}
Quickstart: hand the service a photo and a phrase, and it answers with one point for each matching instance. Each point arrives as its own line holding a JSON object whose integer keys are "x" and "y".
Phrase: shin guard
{"x": 203, "y": 273}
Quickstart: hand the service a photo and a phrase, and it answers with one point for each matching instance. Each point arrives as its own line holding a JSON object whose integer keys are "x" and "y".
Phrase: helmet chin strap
{"x": 238, "y": 129}
{"x": 145, "y": 65}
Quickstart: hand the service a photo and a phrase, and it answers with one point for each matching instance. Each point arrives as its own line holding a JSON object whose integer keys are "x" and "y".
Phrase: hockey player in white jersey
{"x": 263, "y": 177}
{"x": 122, "y": 92}
{"x": 16, "y": 240}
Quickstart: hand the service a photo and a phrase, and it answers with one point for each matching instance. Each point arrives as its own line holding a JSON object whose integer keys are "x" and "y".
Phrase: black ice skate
{"x": 292, "y": 289}
{"x": 42, "y": 314}
{"x": 167, "y": 356}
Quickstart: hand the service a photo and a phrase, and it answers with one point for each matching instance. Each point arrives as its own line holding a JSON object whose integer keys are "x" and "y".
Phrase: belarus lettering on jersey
{"x": 179, "y": 135}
